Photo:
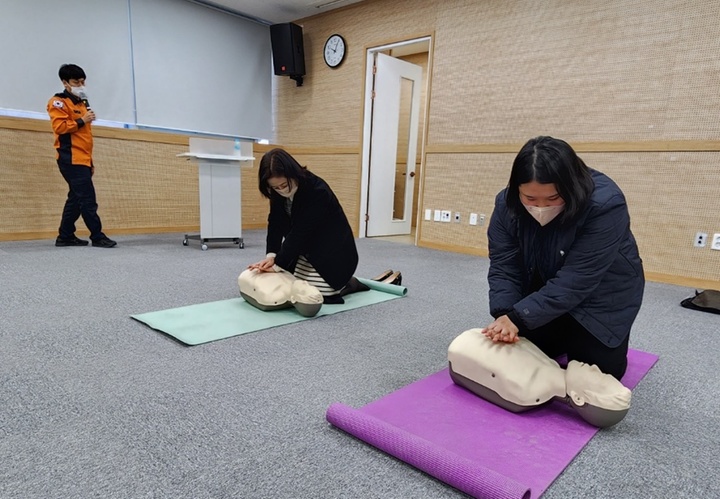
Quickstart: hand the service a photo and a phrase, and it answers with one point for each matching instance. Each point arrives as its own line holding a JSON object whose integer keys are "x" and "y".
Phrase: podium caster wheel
{"x": 185, "y": 242}
{"x": 204, "y": 247}
{"x": 241, "y": 245}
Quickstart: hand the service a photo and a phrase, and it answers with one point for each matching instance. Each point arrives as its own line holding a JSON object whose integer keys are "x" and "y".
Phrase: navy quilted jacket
{"x": 590, "y": 267}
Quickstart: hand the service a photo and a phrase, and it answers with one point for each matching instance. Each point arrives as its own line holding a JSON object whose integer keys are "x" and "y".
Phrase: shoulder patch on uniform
{"x": 58, "y": 103}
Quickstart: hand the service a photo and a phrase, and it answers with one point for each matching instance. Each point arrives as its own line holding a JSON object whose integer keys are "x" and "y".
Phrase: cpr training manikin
{"x": 276, "y": 290}
{"x": 519, "y": 376}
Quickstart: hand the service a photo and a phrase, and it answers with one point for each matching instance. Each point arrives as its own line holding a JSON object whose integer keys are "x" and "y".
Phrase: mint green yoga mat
{"x": 205, "y": 322}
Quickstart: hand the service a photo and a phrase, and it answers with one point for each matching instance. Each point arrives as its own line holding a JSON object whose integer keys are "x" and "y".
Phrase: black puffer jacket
{"x": 590, "y": 267}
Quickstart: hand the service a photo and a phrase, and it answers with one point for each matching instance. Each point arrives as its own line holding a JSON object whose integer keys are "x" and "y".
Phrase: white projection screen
{"x": 200, "y": 69}
{"x": 38, "y": 37}
{"x": 167, "y": 64}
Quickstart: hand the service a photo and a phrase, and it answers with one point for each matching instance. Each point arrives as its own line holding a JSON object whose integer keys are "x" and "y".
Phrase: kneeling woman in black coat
{"x": 308, "y": 232}
{"x": 564, "y": 267}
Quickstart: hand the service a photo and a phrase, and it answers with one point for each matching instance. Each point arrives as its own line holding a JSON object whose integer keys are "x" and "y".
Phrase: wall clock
{"x": 334, "y": 51}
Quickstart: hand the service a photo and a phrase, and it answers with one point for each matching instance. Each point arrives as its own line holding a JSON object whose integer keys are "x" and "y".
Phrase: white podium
{"x": 219, "y": 162}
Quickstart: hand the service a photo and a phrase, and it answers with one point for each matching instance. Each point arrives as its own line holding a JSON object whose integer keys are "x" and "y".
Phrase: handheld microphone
{"x": 83, "y": 97}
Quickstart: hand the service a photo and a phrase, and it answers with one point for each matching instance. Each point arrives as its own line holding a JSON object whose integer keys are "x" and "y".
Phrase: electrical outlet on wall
{"x": 457, "y": 217}
{"x": 476, "y": 219}
{"x": 700, "y": 240}
{"x": 715, "y": 242}
{"x": 445, "y": 216}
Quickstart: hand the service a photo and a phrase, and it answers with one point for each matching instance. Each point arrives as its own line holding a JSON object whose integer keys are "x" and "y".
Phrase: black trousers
{"x": 565, "y": 335}
{"x": 80, "y": 201}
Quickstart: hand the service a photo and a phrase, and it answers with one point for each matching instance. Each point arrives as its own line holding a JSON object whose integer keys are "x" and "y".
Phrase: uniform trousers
{"x": 81, "y": 201}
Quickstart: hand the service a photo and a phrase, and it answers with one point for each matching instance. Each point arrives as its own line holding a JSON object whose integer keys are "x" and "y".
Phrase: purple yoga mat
{"x": 471, "y": 444}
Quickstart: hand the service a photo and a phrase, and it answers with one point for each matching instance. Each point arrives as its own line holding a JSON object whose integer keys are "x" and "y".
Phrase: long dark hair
{"x": 278, "y": 163}
{"x": 547, "y": 160}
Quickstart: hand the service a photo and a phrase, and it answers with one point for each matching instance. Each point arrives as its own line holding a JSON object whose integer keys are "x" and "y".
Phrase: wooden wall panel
{"x": 670, "y": 196}
{"x": 328, "y": 108}
{"x": 622, "y": 79}
{"x": 255, "y": 207}
{"x": 32, "y": 191}
{"x": 140, "y": 185}
{"x": 464, "y": 183}
{"x": 584, "y": 71}
{"x": 143, "y": 184}
{"x": 342, "y": 173}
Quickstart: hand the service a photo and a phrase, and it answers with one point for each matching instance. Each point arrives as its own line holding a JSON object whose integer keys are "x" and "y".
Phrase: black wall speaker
{"x": 287, "y": 49}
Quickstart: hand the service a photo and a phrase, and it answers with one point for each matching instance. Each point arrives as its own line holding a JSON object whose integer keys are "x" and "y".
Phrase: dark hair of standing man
{"x": 69, "y": 72}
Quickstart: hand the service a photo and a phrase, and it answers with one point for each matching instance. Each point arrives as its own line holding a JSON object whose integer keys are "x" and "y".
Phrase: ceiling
{"x": 276, "y": 11}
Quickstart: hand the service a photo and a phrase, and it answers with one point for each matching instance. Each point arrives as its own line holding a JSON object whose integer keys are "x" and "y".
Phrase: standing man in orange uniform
{"x": 71, "y": 116}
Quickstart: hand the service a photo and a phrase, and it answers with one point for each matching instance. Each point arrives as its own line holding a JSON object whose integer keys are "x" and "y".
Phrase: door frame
{"x": 395, "y": 136}
{"x": 367, "y": 128}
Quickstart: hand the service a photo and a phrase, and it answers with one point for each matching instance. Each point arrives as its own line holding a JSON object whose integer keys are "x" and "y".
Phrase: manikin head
{"x": 306, "y": 298}
{"x": 599, "y": 398}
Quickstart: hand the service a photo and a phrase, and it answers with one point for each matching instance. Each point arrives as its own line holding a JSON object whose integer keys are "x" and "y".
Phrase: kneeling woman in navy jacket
{"x": 308, "y": 232}
{"x": 565, "y": 271}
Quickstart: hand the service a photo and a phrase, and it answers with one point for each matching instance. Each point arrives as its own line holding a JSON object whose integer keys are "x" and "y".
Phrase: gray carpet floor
{"x": 96, "y": 405}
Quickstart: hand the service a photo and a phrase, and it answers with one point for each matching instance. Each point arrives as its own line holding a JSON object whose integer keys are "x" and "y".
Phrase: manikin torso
{"x": 277, "y": 290}
{"x": 519, "y": 376}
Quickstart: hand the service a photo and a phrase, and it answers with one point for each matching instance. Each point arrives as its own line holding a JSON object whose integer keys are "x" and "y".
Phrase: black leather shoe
{"x": 70, "y": 242}
{"x": 383, "y": 276}
{"x": 105, "y": 242}
{"x": 394, "y": 278}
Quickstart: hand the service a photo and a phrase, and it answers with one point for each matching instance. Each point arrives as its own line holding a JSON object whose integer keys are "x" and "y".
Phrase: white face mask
{"x": 289, "y": 193}
{"x": 546, "y": 214}
{"x": 79, "y": 91}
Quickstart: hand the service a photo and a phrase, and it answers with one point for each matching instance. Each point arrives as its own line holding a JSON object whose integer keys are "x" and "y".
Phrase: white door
{"x": 393, "y": 146}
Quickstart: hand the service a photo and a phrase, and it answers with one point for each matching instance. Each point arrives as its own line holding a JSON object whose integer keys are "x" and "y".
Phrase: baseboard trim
{"x": 453, "y": 248}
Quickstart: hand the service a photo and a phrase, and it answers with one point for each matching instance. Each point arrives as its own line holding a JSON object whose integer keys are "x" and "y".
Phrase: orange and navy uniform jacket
{"x": 73, "y": 137}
